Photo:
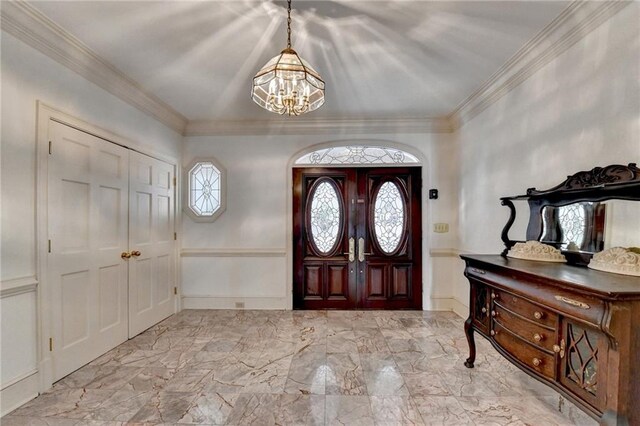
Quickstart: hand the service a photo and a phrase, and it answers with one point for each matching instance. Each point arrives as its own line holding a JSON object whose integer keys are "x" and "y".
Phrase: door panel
{"x": 325, "y": 278}
{"x": 372, "y": 257}
{"x": 87, "y": 210}
{"x": 151, "y": 215}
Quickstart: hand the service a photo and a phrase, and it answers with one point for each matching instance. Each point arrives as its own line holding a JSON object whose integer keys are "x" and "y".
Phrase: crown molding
{"x": 303, "y": 126}
{"x": 31, "y": 26}
{"x": 577, "y": 20}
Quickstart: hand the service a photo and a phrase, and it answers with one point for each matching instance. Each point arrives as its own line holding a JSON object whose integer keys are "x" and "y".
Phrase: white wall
{"x": 28, "y": 76}
{"x": 257, "y": 217}
{"x": 580, "y": 111}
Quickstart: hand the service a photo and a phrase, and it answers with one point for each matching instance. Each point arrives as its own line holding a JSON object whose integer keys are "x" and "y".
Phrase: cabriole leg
{"x": 468, "y": 330}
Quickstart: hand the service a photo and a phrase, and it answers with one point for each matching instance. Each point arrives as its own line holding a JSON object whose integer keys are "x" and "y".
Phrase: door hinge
{"x": 175, "y": 290}
{"x": 50, "y": 344}
{"x": 50, "y": 147}
{"x": 49, "y": 246}
{"x": 175, "y": 236}
{"x": 174, "y": 181}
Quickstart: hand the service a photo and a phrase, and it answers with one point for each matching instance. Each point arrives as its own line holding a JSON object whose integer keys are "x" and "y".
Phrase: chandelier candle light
{"x": 287, "y": 84}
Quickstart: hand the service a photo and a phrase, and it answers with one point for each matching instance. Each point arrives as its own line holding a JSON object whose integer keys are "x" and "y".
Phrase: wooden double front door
{"x": 357, "y": 238}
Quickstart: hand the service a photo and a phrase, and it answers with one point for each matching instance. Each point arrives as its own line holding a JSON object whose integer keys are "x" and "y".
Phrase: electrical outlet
{"x": 239, "y": 305}
{"x": 441, "y": 228}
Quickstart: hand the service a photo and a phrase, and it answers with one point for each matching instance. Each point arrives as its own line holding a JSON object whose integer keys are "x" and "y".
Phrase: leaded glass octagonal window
{"x": 204, "y": 191}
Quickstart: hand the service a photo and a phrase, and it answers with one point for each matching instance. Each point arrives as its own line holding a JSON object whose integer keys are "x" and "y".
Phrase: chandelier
{"x": 287, "y": 84}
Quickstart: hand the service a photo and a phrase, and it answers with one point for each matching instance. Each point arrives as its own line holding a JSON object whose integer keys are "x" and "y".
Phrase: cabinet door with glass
{"x": 583, "y": 352}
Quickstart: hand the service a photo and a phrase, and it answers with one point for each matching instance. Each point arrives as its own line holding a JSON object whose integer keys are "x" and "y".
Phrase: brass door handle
{"x": 125, "y": 255}
{"x": 352, "y": 249}
{"x": 135, "y": 253}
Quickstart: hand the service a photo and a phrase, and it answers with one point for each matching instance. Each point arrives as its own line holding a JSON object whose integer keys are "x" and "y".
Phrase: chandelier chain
{"x": 289, "y": 24}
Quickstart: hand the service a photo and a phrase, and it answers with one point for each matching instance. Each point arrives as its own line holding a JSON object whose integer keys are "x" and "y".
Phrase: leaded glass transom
{"x": 389, "y": 217}
{"x": 204, "y": 189}
{"x": 357, "y": 154}
{"x": 326, "y": 217}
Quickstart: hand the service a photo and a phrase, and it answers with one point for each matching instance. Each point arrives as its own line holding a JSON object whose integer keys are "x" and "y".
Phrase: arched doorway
{"x": 357, "y": 229}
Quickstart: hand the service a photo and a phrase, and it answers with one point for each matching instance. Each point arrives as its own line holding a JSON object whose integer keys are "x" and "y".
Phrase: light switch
{"x": 440, "y": 228}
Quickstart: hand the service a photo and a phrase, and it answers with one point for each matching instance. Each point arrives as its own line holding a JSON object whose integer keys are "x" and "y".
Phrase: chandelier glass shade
{"x": 287, "y": 84}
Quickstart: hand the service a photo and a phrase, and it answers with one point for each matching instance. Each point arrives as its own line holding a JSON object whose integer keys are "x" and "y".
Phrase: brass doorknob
{"x": 135, "y": 253}
{"x": 125, "y": 255}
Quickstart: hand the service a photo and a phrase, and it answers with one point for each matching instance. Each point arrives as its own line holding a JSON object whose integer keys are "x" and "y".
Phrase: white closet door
{"x": 151, "y": 234}
{"x": 87, "y": 202}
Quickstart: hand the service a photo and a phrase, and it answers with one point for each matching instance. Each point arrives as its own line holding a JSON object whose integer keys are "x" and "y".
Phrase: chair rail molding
{"x": 16, "y": 286}
{"x": 31, "y": 26}
{"x": 233, "y": 252}
{"x": 576, "y": 21}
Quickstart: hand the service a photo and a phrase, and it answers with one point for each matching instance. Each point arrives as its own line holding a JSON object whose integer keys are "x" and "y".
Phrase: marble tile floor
{"x": 220, "y": 367}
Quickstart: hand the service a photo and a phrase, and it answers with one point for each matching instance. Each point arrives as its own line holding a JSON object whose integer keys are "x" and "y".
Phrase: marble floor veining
{"x": 220, "y": 367}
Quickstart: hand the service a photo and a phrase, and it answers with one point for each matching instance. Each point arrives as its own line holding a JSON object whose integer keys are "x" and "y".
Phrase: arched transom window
{"x": 357, "y": 154}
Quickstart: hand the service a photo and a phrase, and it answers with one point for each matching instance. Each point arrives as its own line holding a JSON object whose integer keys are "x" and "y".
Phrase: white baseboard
{"x": 459, "y": 308}
{"x": 447, "y": 304}
{"x": 211, "y": 302}
{"x": 18, "y": 393}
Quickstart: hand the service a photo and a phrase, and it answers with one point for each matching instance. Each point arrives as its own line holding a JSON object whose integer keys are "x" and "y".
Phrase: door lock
{"x": 352, "y": 249}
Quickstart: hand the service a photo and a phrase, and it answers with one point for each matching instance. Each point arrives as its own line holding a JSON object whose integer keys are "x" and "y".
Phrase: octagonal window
{"x": 204, "y": 192}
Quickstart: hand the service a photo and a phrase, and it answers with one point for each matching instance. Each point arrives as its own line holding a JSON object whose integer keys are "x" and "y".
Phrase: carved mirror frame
{"x": 598, "y": 184}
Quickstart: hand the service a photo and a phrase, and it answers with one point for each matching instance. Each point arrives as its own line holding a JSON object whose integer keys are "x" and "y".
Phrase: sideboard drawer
{"x": 536, "y": 334}
{"x": 536, "y": 359}
{"x": 522, "y": 307}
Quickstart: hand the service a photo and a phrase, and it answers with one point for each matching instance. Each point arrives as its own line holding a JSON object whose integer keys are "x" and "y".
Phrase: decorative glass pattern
{"x": 358, "y": 154}
{"x": 572, "y": 222}
{"x": 326, "y": 216}
{"x": 388, "y": 218}
{"x": 204, "y": 189}
{"x": 582, "y": 358}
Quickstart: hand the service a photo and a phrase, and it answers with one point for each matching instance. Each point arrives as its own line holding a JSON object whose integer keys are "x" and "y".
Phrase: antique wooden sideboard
{"x": 573, "y": 328}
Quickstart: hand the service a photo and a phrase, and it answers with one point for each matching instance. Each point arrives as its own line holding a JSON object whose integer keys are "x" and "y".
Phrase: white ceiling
{"x": 378, "y": 58}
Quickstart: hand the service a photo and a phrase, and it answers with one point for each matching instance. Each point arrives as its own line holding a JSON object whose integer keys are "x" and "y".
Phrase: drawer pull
{"x": 484, "y": 310}
{"x": 573, "y": 302}
{"x": 537, "y": 362}
{"x": 560, "y": 349}
{"x": 494, "y": 314}
{"x": 538, "y": 337}
{"x": 494, "y": 296}
{"x": 494, "y": 333}
{"x": 478, "y": 271}
{"x": 538, "y": 315}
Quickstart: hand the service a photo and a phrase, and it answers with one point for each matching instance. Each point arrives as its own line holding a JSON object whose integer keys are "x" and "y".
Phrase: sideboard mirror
{"x": 587, "y": 213}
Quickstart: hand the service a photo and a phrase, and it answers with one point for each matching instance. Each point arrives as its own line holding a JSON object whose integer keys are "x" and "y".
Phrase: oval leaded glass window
{"x": 388, "y": 217}
{"x": 205, "y": 191}
{"x": 325, "y": 217}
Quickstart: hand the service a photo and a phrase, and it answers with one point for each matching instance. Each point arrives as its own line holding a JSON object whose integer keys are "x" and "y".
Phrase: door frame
{"x": 44, "y": 320}
{"x": 426, "y": 207}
